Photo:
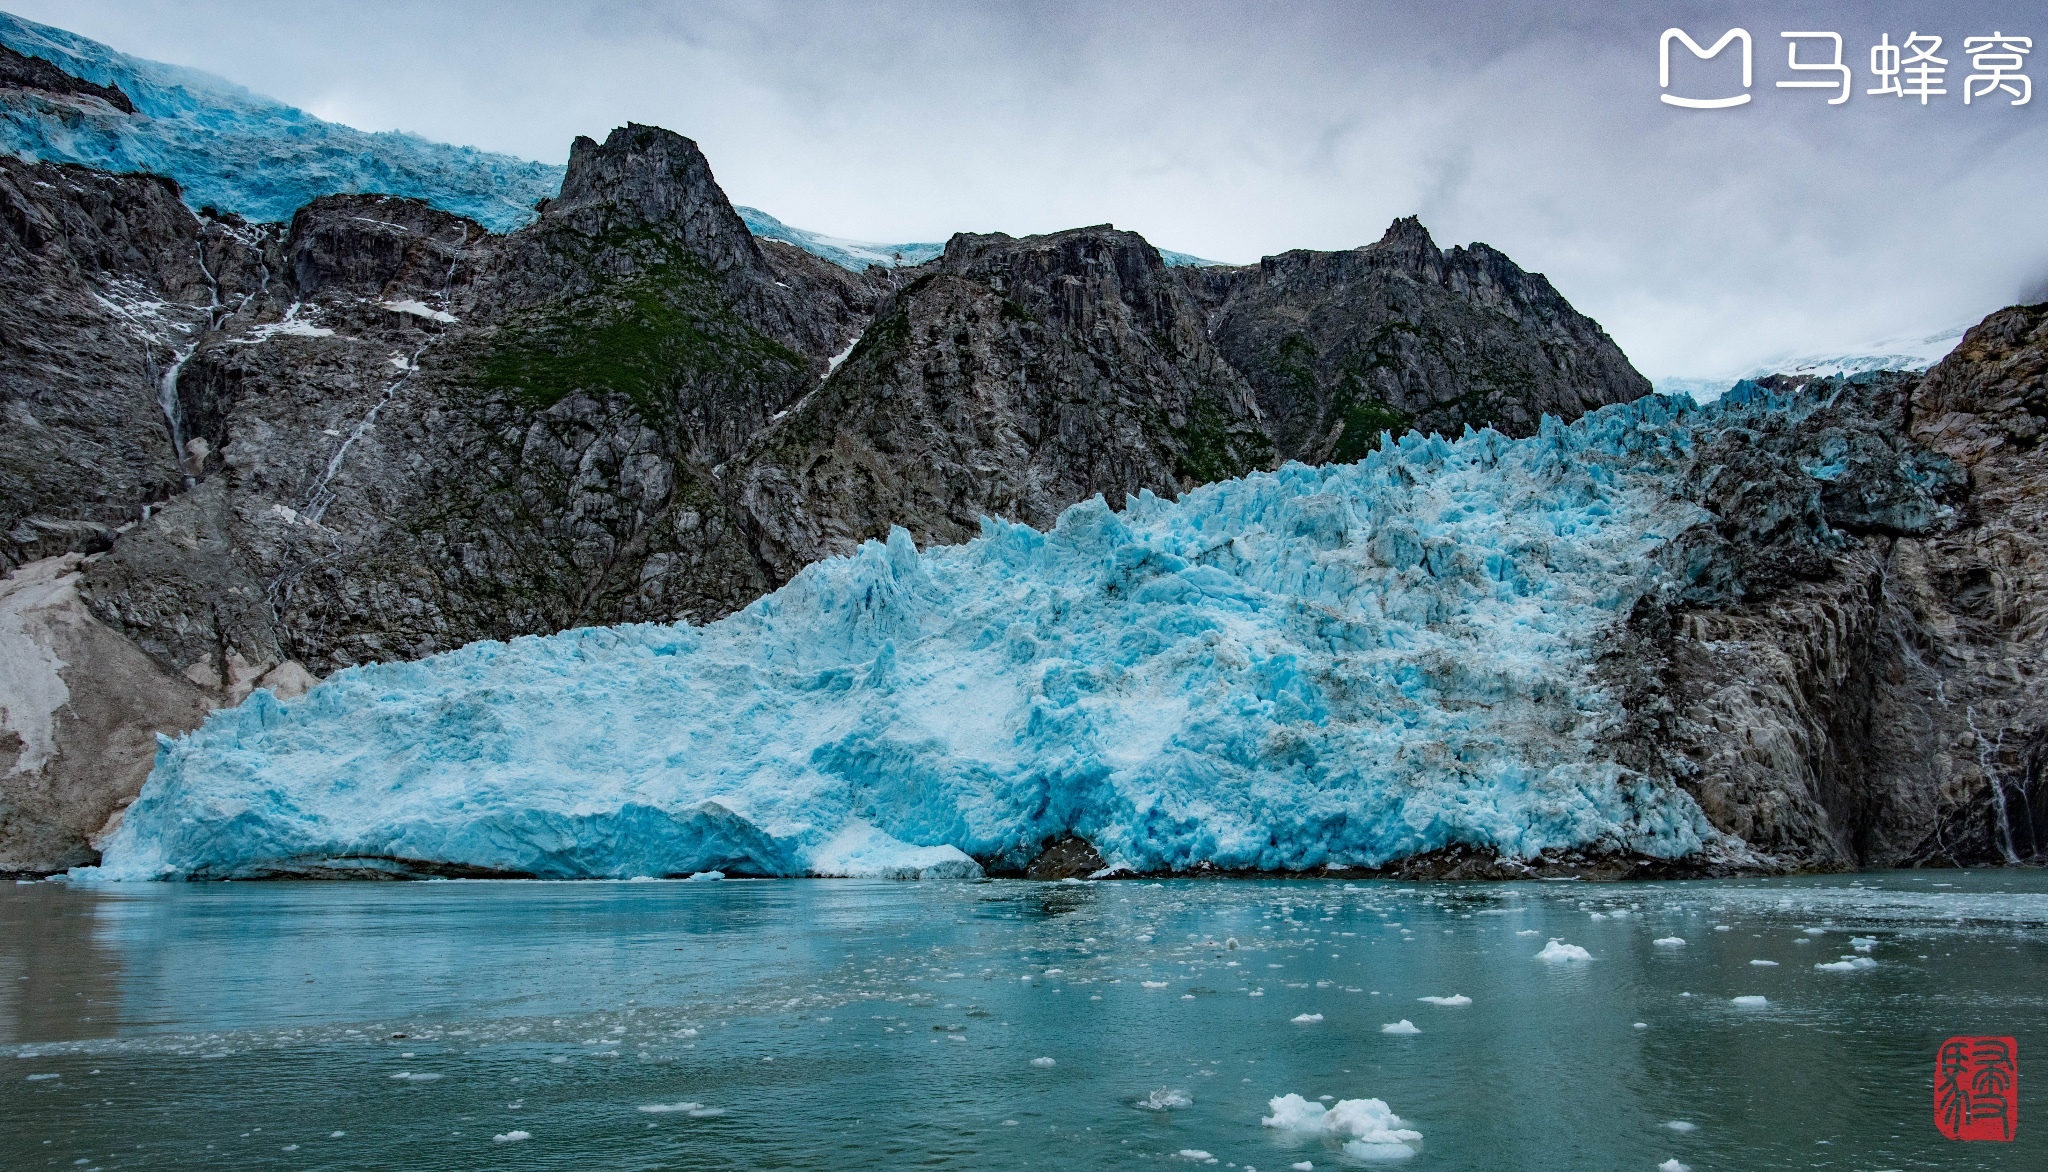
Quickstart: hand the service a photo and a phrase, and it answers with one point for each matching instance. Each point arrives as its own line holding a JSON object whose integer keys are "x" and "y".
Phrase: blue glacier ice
{"x": 241, "y": 152}
{"x": 1346, "y": 664}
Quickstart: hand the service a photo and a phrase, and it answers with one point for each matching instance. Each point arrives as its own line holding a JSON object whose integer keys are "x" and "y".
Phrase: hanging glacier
{"x": 1347, "y": 664}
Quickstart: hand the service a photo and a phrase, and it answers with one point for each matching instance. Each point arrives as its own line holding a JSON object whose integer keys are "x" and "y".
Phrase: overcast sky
{"x": 1704, "y": 240}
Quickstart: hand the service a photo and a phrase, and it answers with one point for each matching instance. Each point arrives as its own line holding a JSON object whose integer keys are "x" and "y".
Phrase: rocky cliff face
{"x": 1007, "y": 378}
{"x": 1858, "y": 687}
{"x": 1341, "y": 346}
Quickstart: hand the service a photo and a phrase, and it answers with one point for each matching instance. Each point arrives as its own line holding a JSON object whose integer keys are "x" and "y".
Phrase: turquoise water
{"x": 840, "y": 1024}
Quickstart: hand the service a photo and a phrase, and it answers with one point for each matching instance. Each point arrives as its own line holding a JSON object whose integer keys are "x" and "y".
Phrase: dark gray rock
{"x": 21, "y": 72}
{"x": 1008, "y": 378}
{"x": 1343, "y": 345}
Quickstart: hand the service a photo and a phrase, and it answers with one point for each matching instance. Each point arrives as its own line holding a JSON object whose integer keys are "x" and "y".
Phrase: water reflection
{"x": 59, "y": 979}
{"x": 844, "y": 1024}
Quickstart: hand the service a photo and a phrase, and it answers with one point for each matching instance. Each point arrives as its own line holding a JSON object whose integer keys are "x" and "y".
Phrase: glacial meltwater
{"x": 1740, "y": 1025}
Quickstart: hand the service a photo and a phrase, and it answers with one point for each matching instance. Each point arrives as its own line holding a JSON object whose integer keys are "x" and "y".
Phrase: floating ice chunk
{"x": 1306, "y": 1018}
{"x": 1642, "y": 1025}
{"x": 1722, "y": 928}
{"x": 1042, "y": 1062}
{"x": 43, "y": 1077}
{"x": 671, "y": 1108}
{"x": 1766, "y": 964}
{"x": 1848, "y": 964}
{"x": 1680, "y": 1125}
{"x": 1165, "y": 1099}
{"x": 1863, "y": 943}
{"x": 1303, "y": 1166}
{"x": 511, "y": 1137}
{"x": 1528, "y": 932}
{"x": 1672, "y": 1165}
{"x": 1598, "y": 916}
{"x": 1751, "y": 1002}
{"x": 1371, "y": 1130}
{"x": 1404, "y": 1026}
{"x": 1669, "y": 942}
{"x": 1197, "y": 1155}
{"x": 1153, "y": 984}
{"x": 1558, "y": 952}
{"x": 409, "y": 1076}
{"x": 707, "y": 876}
{"x": 1816, "y": 931}
{"x": 1453, "y": 999}
{"x": 420, "y": 309}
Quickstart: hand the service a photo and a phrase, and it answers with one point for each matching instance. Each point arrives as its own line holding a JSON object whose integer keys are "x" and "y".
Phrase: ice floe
{"x": 1371, "y": 1130}
{"x": 1404, "y": 1026}
{"x": 1453, "y": 999}
{"x": 1558, "y": 952}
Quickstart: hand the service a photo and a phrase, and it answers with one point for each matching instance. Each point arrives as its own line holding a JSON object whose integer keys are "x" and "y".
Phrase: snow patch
{"x": 420, "y": 309}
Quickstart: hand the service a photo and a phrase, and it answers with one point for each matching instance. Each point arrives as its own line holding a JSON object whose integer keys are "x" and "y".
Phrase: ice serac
{"x": 1341, "y": 345}
{"x": 1349, "y": 664}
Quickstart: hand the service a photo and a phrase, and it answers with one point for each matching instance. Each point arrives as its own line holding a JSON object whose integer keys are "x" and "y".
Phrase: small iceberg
{"x": 1848, "y": 964}
{"x": 1453, "y": 999}
{"x": 1751, "y": 1002}
{"x": 1306, "y": 1018}
{"x": 1669, "y": 942}
{"x": 1369, "y": 1127}
{"x": 1558, "y": 952}
{"x": 1404, "y": 1026}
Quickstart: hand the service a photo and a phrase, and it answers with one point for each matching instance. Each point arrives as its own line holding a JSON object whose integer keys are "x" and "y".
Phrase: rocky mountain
{"x": 1341, "y": 346}
{"x": 378, "y": 430}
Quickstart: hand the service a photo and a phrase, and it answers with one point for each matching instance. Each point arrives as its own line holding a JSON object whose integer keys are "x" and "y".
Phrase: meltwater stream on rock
{"x": 1006, "y": 1024}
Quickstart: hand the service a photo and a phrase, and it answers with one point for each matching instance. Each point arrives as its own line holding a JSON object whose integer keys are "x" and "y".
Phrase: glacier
{"x": 237, "y": 151}
{"x": 241, "y": 152}
{"x": 1347, "y": 664}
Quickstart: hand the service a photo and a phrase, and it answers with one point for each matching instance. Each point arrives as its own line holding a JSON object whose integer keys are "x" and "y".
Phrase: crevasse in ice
{"x": 1341, "y": 664}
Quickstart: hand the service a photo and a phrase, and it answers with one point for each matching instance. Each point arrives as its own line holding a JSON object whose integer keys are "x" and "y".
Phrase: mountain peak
{"x": 1406, "y": 234}
{"x": 648, "y": 177}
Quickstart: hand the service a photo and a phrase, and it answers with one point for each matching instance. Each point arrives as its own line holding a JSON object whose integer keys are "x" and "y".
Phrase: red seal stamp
{"x": 1977, "y": 1088}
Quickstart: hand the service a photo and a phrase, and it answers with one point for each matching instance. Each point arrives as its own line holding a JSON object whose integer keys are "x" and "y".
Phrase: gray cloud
{"x": 1704, "y": 241}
